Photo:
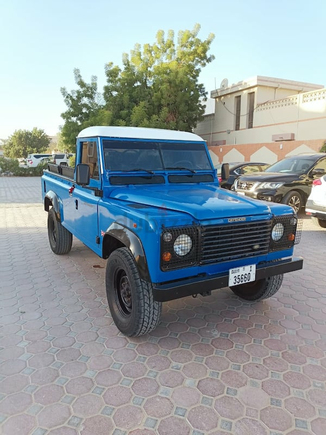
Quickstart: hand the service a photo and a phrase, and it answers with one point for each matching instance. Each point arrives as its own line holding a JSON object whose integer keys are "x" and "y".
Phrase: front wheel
{"x": 260, "y": 289}
{"x": 319, "y": 222}
{"x": 130, "y": 298}
{"x": 60, "y": 238}
{"x": 294, "y": 200}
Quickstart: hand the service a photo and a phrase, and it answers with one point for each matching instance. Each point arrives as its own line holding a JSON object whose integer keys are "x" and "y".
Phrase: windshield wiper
{"x": 182, "y": 168}
{"x": 138, "y": 169}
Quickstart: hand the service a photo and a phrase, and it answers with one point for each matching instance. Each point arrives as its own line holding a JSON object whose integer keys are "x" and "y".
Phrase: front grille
{"x": 229, "y": 242}
{"x": 244, "y": 185}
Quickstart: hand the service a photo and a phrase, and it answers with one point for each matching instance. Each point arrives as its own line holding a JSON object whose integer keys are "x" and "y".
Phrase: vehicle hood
{"x": 261, "y": 177}
{"x": 201, "y": 202}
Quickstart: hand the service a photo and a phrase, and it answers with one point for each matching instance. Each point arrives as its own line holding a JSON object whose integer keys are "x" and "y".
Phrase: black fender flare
{"x": 51, "y": 198}
{"x": 125, "y": 237}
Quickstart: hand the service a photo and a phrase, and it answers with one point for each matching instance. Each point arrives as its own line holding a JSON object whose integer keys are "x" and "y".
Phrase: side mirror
{"x": 317, "y": 172}
{"x": 225, "y": 171}
{"x": 82, "y": 174}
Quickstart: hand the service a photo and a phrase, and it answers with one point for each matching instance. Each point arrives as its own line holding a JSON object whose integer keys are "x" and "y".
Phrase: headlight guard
{"x": 179, "y": 247}
{"x": 285, "y": 233}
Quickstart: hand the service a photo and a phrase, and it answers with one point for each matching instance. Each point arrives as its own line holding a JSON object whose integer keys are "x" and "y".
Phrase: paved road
{"x": 215, "y": 365}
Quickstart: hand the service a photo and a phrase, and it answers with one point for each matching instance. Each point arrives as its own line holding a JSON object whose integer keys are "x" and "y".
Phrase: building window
{"x": 251, "y": 105}
{"x": 237, "y": 112}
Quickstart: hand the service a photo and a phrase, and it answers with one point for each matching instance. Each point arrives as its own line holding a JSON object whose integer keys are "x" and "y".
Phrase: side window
{"x": 89, "y": 157}
{"x": 237, "y": 112}
{"x": 321, "y": 165}
{"x": 250, "y": 168}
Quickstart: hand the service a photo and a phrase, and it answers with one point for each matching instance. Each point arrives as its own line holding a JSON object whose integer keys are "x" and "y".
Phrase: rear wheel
{"x": 130, "y": 298}
{"x": 260, "y": 289}
{"x": 320, "y": 222}
{"x": 60, "y": 238}
{"x": 294, "y": 200}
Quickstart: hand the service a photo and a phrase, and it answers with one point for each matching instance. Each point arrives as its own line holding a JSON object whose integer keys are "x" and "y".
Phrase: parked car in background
{"x": 237, "y": 169}
{"x": 288, "y": 181}
{"x": 61, "y": 159}
{"x": 316, "y": 203}
{"x": 35, "y": 159}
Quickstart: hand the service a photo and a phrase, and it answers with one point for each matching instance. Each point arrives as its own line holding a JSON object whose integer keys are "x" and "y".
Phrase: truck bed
{"x": 65, "y": 171}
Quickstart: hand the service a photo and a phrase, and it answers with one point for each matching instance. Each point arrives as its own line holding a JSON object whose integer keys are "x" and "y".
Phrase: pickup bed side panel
{"x": 55, "y": 190}
{"x": 78, "y": 208}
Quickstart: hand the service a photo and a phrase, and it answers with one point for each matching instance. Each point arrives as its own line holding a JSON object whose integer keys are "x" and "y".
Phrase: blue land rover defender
{"x": 149, "y": 201}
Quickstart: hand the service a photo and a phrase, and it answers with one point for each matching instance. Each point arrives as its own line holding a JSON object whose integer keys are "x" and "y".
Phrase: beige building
{"x": 265, "y": 119}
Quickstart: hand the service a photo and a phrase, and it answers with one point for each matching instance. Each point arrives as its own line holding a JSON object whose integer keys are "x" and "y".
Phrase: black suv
{"x": 237, "y": 169}
{"x": 288, "y": 181}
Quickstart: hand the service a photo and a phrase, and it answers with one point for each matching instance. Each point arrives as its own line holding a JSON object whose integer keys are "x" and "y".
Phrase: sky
{"x": 41, "y": 42}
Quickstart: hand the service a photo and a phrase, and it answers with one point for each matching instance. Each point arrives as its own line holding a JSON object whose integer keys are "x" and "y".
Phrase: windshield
{"x": 131, "y": 155}
{"x": 293, "y": 165}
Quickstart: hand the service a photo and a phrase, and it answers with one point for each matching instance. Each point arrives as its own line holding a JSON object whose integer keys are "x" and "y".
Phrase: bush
{"x": 11, "y": 167}
{"x": 8, "y": 165}
{"x": 323, "y": 148}
{"x": 72, "y": 161}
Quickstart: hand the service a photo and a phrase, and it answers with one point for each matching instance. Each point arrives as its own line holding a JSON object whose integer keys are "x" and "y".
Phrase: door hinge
{"x": 97, "y": 240}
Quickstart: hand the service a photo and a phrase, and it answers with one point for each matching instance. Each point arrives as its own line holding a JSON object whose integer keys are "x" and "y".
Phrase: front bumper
{"x": 315, "y": 210}
{"x": 201, "y": 284}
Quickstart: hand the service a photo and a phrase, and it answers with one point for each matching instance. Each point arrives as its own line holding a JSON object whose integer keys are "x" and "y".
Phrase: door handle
{"x": 76, "y": 202}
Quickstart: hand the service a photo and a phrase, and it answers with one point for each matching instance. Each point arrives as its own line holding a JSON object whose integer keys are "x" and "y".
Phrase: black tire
{"x": 320, "y": 222}
{"x": 130, "y": 298}
{"x": 260, "y": 289}
{"x": 294, "y": 200}
{"x": 60, "y": 238}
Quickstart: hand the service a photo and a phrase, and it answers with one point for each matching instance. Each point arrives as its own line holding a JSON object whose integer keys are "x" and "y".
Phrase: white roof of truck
{"x": 139, "y": 133}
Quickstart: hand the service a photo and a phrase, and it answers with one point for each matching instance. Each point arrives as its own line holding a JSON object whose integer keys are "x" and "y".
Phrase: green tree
{"x": 24, "y": 142}
{"x": 83, "y": 107}
{"x": 157, "y": 86}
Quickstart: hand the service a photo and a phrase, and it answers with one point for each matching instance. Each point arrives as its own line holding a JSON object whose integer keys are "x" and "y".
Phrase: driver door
{"x": 85, "y": 202}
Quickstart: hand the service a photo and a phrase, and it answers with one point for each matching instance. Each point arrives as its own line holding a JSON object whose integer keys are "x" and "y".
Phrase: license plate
{"x": 242, "y": 275}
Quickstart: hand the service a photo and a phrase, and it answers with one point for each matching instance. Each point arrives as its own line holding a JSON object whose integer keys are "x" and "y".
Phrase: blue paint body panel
{"x": 148, "y": 209}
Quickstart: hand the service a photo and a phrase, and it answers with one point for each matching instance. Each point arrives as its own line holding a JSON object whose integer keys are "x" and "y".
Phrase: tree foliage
{"x": 157, "y": 86}
{"x": 24, "y": 142}
{"x": 83, "y": 106}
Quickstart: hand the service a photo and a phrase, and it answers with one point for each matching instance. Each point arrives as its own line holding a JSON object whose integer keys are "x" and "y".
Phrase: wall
{"x": 281, "y": 106}
{"x": 264, "y": 152}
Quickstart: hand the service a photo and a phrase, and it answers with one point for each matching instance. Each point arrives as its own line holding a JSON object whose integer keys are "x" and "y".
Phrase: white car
{"x": 316, "y": 203}
{"x": 61, "y": 159}
{"x": 35, "y": 159}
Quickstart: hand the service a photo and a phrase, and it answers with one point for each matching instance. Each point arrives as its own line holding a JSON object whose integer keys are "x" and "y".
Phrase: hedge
{"x": 10, "y": 167}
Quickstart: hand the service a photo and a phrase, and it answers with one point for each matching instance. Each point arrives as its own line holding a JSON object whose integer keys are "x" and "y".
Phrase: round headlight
{"x": 182, "y": 245}
{"x": 167, "y": 237}
{"x": 277, "y": 232}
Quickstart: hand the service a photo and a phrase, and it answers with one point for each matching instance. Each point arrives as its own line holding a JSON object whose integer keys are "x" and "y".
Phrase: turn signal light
{"x": 166, "y": 256}
{"x": 291, "y": 237}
